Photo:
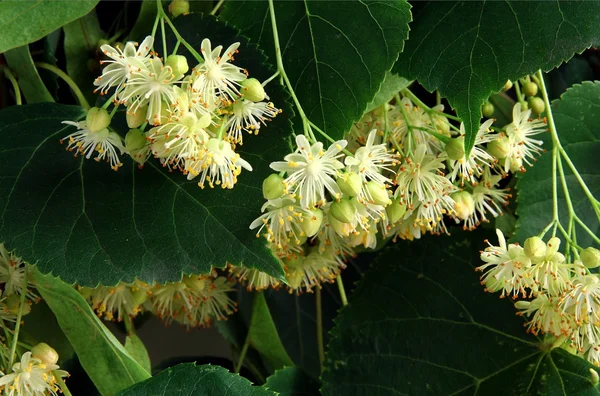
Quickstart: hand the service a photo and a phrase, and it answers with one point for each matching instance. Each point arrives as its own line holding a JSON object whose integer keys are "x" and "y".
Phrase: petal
{"x": 145, "y": 46}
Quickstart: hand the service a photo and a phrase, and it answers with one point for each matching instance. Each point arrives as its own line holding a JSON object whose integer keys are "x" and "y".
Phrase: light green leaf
{"x": 420, "y": 323}
{"x": 105, "y": 360}
{"x": 392, "y": 84}
{"x": 263, "y": 335}
{"x": 468, "y": 49}
{"x": 336, "y": 53}
{"x": 30, "y": 82}
{"x": 293, "y": 381}
{"x": 137, "y": 350}
{"x": 577, "y": 119}
{"x": 23, "y": 22}
{"x": 191, "y": 380}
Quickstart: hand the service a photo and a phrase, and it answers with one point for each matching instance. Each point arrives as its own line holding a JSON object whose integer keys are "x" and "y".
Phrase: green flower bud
{"x": 135, "y": 140}
{"x": 464, "y": 204}
{"x": 337, "y": 225}
{"x": 86, "y": 292}
{"x": 97, "y": 119}
{"x": 530, "y": 88}
{"x": 535, "y": 248}
{"x": 204, "y": 121}
{"x": 350, "y": 183}
{"x": 273, "y": 187}
{"x": 442, "y": 125}
{"x": 135, "y": 120}
{"x": 45, "y": 353}
{"x": 294, "y": 273}
{"x": 12, "y": 304}
{"x": 194, "y": 282}
{"x": 100, "y": 43}
{"x": 343, "y": 210}
{"x": 516, "y": 164}
{"x": 312, "y": 223}
{"x": 378, "y": 193}
{"x": 395, "y": 211}
{"x": 178, "y": 63}
{"x": 552, "y": 246}
{"x": 253, "y": 90}
{"x": 178, "y": 7}
{"x": 537, "y": 105}
{"x": 455, "y": 148}
{"x": 594, "y": 377}
{"x": 590, "y": 257}
{"x": 508, "y": 85}
{"x": 139, "y": 297}
{"x": 499, "y": 148}
{"x": 488, "y": 110}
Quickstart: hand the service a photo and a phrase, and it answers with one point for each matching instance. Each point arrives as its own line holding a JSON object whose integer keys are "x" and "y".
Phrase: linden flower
{"x": 505, "y": 269}
{"x": 467, "y": 168}
{"x": 417, "y": 118}
{"x": 213, "y": 302}
{"x": 487, "y": 198}
{"x": 170, "y": 299}
{"x": 247, "y": 115}
{"x": 520, "y": 132}
{"x": 115, "y": 302}
{"x": 311, "y": 170}
{"x": 547, "y": 317}
{"x": 371, "y": 160}
{"x": 12, "y": 274}
{"x": 583, "y": 300}
{"x": 122, "y": 63}
{"x": 253, "y": 278}
{"x": 31, "y": 377}
{"x": 87, "y": 141}
{"x": 220, "y": 165}
{"x": 310, "y": 271}
{"x": 217, "y": 79}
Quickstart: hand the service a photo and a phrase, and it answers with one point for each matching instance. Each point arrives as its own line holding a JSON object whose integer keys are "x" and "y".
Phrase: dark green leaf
{"x": 263, "y": 335}
{"x": 389, "y": 87}
{"x": 22, "y": 22}
{"x": 293, "y": 381}
{"x": 30, "y": 82}
{"x": 467, "y": 50}
{"x": 420, "y": 323}
{"x": 102, "y": 356}
{"x": 577, "y": 119}
{"x": 137, "y": 350}
{"x": 336, "y": 53}
{"x": 88, "y": 224}
{"x": 191, "y": 380}
{"x": 144, "y": 21}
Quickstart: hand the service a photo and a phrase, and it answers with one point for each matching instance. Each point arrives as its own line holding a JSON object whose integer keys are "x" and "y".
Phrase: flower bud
{"x": 455, "y": 148}
{"x": 12, "y": 304}
{"x": 508, "y": 85}
{"x": 273, "y": 187}
{"x": 343, "y": 210}
{"x": 45, "y": 353}
{"x": 590, "y": 257}
{"x": 97, "y": 119}
{"x": 178, "y": 7}
{"x": 312, "y": 222}
{"x": 178, "y": 63}
{"x": 395, "y": 211}
{"x": 378, "y": 193}
{"x": 294, "y": 273}
{"x": 487, "y": 110}
{"x": 535, "y": 248}
{"x": 499, "y": 148}
{"x": 530, "y": 88}
{"x": 350, "y": 183}
{"x": 516, "y": 164}
{"x": 337, "y": 225}
{"x": 194, "y": 282}
{"x": 139, "y": 297}
{"x": 252, "y": 90}
{"x": 135, "y": 140}
{"x": 552, "y": 246}
{"x": 134, "y": 120}
{"x": 442, "y": 125}
{"x": 464, "y": 204}
{"x": 537, "y": 105}
{"x": 204, "y": 121}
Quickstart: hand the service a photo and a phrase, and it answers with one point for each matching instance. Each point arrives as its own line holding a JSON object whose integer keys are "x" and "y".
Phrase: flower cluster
{"x": 196, "y": 119}
{"x": 558, "y": 297}
{"x": 13, "y": 283}
{"x": 402, "y": 171}
{"x": 193, "y": 302}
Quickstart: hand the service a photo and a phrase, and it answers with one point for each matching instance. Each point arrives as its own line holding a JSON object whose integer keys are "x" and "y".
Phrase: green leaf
{"x": 87, "y": 224}
{"x": 335, "y": 53}
{"x": 137, "y": 350}
{"x": 293, "y": 381}
{"x": 20, "y": 62}
{"x": 192, "y": 380}
{"x": 102, "y": 356}
{"x": 144, "y": 21}
{"x": 22, "y": 23}
{"x": 577, "y": 119}
{"x": 467, "y": 50}
{"x": 81, "y": 43}
{"x": 263, "y": 335}
{"x": 392, "y": 84}
{"x": 422, "y": 324}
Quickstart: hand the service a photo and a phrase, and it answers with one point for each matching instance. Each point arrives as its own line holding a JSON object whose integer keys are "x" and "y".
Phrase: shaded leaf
{"x": 30, "y": 82}
{"x": 421, "y": 324}
{"x": 293, "y": 381}
{"x": 468, "y": 49}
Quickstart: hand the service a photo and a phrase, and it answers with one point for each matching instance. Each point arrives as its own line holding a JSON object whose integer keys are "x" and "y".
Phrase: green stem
{"x": 61, "y": 384}
{"x": 319, "y": 325}
{"x": 176, "y": 48}
{"x": 519, "y": 94}
{"x": 342, "y": 290}
{"x": 326, "y": 136}
{"x": 80, "y": 98}
{"x": 386, "y": 123}
{"x": 129, "y": 324}
{"x": 408, "y": 93}
{"x": 13, "y": 82}
{"x": 109, "y": 101}
{"x": 194, "y": 53}
{"x": 214, "y": 10}
{"x": 15, "y": 339}
{"x": 114, "y": 111}
{"x": 164, "y": 37}
{"x": 240, "y": 362}
{"x": 268, "y": 80}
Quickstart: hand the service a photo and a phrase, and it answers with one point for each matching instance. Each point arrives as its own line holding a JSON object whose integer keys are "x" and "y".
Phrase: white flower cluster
{"x": 193, "y": 302}
{"x": 34, "y": 375}
{"x": 558, "y": 297}
{"x": 197, "y": 119}
{"x": 13, "y": 283}
{"x": 401, "y": 171}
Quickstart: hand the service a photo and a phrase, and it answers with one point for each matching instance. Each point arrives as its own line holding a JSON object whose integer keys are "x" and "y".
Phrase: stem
{"x": 114, "y": 111}
{"x": 109, "y": 101}
{"x": 214, "y": 10}
{"x": 340, "y": 285}
{"x": 175, "y": 48}
{"x": 319, "y": 324}
{"x": 129, "y": 324}
{"x": 80, "y": 98}
{"x": 438, "y": 98}
{"x": 15, "y": 339}
{"x": 194, "y": 53}
{"x": 519, "y": 94}
{"x": 13, "y": 82}
{"x": 386, "y": 123}
{"x": 164, "y": 36}
{"x": 268, "y": 80}
{"x": 240, "y": 362}
{"x": 61, "y": 384}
